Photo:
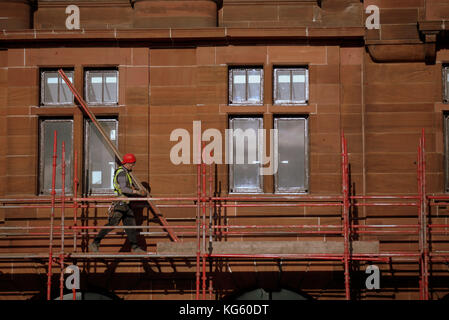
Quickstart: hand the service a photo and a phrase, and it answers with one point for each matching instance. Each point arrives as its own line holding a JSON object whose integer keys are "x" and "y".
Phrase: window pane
{"x": 100, "y": 160}
{"x": 254, "y": 86}
{"x": 50, "y": 85}
{"x": 446, "y": 83}
{"x": 283, "y": 85}
{"x": 66, "y": 95}
{"x": 291, "y": 175}
{"x": 245, "y": 168}
{"x": 64, "y": 129}
{"x": 299, "y": 85}
{"x": 238, "y": 86}
{"x": 94, "y": 87}
{"x": 110, "y": 89}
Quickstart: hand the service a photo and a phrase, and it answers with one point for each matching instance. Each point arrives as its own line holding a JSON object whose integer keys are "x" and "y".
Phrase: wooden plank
{"x": 270, "y": 247}
{"x": 154, "y": 209}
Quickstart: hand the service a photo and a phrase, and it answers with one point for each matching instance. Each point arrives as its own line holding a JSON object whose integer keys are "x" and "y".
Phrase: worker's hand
{"x": 142, "y": 193}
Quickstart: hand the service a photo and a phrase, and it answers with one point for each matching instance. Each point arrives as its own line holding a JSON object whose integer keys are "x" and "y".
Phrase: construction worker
{"x": 120, "y": 210}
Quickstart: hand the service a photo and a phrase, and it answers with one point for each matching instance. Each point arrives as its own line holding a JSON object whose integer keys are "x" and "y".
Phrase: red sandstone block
{"x": 173, "y": 76}
{"x": 402, "y": 73}
{"x": 381, "y": 183}
{"x": 351, "y": 56}
{"x": 172, "y": 57}
{"x": 399, "y": 122}
{"x": 395, "y": 4}
{"x": 402, "y": 93}
{"x": 297, "y": 55}
{"x": 135, "y": 76}
{"x": 249, "y": 13}
{"x": 23, "y": 77}
{"x": 16, "y": 57}
{"x": 351, "y": 94}
{"x": 351, "y": 74}
{"x": 437, "y": 10}
{"x": 399, "y": 16}
{"x": 405, "y": 31}
{"x": 324, "y": 74}
{"x": 397, "y": 142}
{"x": 205, "y": 55}
{"x": 245, "y": 55}
{"x": 325, "y": 93}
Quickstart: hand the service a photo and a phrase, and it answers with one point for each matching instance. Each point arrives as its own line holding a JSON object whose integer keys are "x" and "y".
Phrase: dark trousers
{"x": 123, "y": 212}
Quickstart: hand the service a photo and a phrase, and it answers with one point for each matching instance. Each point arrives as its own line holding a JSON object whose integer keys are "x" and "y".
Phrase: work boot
{"x": 93, "y": 247}
{"x": 138, "y": 250}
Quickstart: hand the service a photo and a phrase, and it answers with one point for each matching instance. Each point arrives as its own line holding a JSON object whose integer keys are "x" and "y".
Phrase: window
{"x": 100, "y": 160}
{"x": 291, "y": 151}
{"x": 446, "y": 84}
{"x": 54, "y": 91}
{"x": 291, "y": 86}
{"x": 101, "y": 87}
{"x": 245, "y": 85}
{"x": 244, "y": 153}
{"x": 64, "y": 130}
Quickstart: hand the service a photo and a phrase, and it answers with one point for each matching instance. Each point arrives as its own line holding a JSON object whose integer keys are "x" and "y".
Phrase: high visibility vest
{"x": 117, "y": 190}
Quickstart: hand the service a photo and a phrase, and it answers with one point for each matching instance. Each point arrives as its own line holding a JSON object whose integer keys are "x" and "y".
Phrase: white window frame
{"x": 68, "y": 160}
{"x": 69, "y": 73}
{"x": 277, "y": 101}
{"x": 231, "y": 85}
{"x": 299, "y": 190}
{"x": 256, "y": 189}
{"x": 103, "y": 73}
{"x": 445, "y": 83}
{"x": 88, "y": 190}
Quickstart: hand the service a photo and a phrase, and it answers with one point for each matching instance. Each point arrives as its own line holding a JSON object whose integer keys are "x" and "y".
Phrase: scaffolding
{"x": 208, "y": 226}
{"x": 206, "y": 229}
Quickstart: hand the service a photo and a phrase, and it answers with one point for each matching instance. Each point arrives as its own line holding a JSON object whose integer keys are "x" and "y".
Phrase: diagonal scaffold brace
{"x": 154, "y": 209}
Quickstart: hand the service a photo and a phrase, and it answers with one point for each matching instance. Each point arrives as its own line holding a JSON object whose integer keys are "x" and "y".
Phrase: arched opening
{"x": 267, "y": 294}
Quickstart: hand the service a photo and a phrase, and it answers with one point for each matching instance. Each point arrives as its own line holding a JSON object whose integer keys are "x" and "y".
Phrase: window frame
{"x": 275, "y": 86}
{"x": 231, "y": 85}
{"x": 42, "y": 73}
{"x": 293, "y": 190}
{"x": 258, "y": 189}
{"x": 445, "y": 76}
{"x": 98, "y": 191}
{"x": 41, "y": 190}
{"x": 87, "y": 71}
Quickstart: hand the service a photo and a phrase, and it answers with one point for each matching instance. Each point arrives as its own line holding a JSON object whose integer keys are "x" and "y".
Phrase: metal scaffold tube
{"x": 53, "y": 194}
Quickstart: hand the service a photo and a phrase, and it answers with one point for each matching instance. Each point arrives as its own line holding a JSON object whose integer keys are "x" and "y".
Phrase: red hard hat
{"x": 129, "y": 158}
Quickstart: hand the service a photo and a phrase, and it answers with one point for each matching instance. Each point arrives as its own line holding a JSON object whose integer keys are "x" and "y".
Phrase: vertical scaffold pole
{"x": 198, "y": 212}
{"x": 425, "y": 222}
{"x": 61, "y": 255}
{"x": 203, "y": 225}
{"x": 75, "y": 203}
{"x": 210, "y": 229}
{"x": 345, "y": 173}
{"x": 53, "y": 194}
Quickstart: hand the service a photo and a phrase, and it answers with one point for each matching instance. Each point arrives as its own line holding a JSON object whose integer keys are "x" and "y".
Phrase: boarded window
{"x": 291, "y": 85}
{"x": 64, "y": 130}
{"x": 244, "y": 147}
{"x": 291, "y": 152}
{"x": 446, "y": 84}
{"x": 100, "y": 159}
{"x": 245, "y": 85}
{"x": 101, "y": 87}
{"x": 54, "y": 90}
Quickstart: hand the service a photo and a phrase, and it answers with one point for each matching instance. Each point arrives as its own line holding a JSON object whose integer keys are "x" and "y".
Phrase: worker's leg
{"x": 113, "y": 221}
{"x": 129, "y": 220}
